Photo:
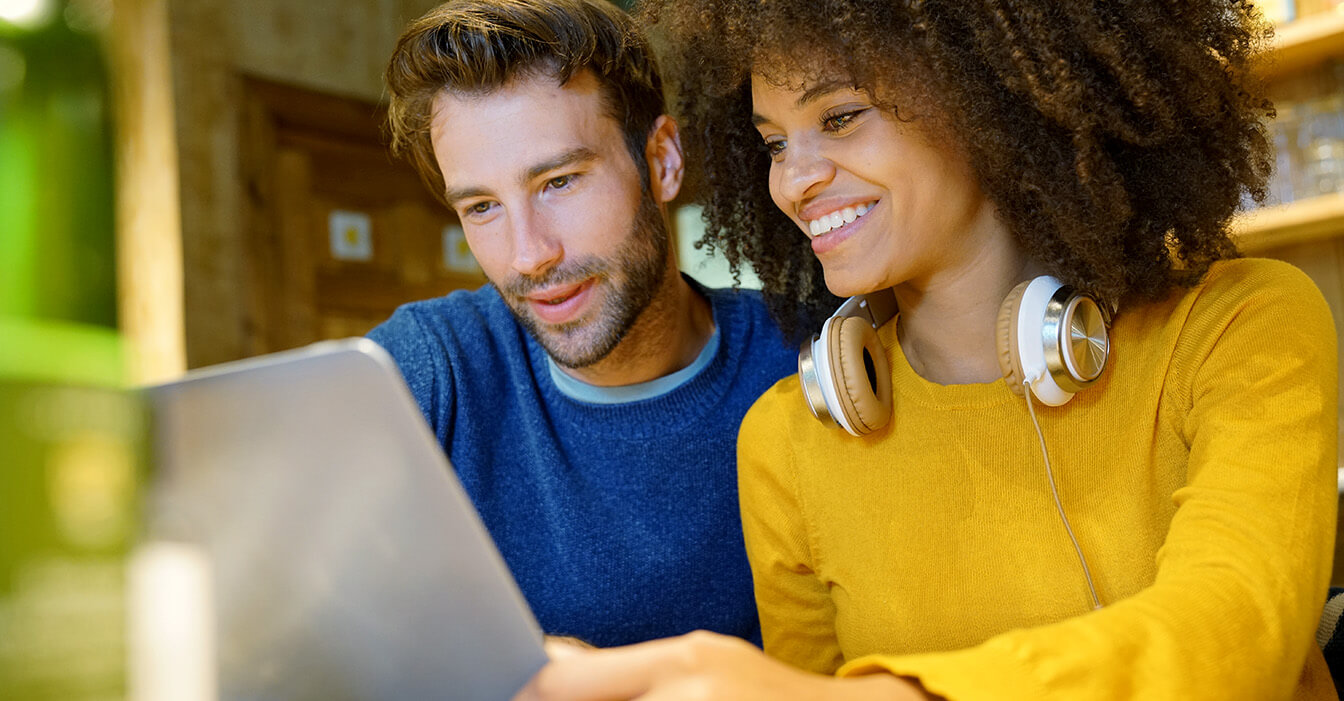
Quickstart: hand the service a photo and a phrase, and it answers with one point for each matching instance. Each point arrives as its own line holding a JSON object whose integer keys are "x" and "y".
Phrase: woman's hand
{"x": 699, "y": 666}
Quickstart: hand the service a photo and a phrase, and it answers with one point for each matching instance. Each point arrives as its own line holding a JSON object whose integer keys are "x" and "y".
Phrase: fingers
{"x": 630, "y": 672}
{"x": 560, "y": 648}
{"x": 600, "y": 675}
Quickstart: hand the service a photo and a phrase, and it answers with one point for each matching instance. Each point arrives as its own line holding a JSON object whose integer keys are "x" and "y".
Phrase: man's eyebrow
{"x": 812, "y": 93}
{"x": 453, "y": 195}
{"x": 575, "y": 155}
{"x": 579, "y": 154}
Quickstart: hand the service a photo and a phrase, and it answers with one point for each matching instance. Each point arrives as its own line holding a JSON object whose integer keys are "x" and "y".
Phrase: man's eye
{"x": 479, "y": 208}
{"x": 560, "y": 182}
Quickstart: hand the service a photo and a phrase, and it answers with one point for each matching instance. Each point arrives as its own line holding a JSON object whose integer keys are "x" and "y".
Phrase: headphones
{"x": 1052, "y": 339}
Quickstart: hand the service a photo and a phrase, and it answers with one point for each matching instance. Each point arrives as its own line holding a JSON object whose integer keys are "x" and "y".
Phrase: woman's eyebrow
{"x": 820, "y": 89}
{"x": 813, "y": 92}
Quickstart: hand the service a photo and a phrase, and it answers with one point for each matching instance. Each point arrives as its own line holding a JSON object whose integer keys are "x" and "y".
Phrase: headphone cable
{"x": 1050, "y": 475}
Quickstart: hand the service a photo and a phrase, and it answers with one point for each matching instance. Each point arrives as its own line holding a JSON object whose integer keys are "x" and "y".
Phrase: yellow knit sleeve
{"x": 1242, "y": 573}
{"x": 797, "y": 615}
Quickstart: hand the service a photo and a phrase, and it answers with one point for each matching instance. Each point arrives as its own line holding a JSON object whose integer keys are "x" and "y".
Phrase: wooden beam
{"x": 1302, "y": 221}
{"x": 1305, "y": 43}
{"x": 149, "y": 227}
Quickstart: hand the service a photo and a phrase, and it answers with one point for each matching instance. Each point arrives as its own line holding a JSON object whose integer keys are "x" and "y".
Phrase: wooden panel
{"x": 339, "y": 48}
{"x": 300, "y": 169}
{"x": 1305, "y": 43}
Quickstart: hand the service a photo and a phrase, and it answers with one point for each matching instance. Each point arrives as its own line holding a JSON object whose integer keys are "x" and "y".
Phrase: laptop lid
{"x": 347, "y": 562}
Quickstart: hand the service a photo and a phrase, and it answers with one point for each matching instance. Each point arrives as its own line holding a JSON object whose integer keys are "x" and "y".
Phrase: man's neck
{"x": 668, "y": 336}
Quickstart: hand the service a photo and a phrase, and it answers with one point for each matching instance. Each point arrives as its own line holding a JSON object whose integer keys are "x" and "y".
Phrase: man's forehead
{"x": 482, "y": 137}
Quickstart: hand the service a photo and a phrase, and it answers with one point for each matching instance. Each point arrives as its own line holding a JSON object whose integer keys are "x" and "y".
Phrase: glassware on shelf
{"x": 1283, "y": 131}
{"x": 1321, "y": 145}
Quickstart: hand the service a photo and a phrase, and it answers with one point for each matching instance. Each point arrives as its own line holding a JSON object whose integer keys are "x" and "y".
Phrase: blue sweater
{"x": 619, "y": 521}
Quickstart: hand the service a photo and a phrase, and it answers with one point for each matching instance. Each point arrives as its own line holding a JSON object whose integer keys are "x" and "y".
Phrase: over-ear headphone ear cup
{"x": 861, "y": 374}
{"x": 1006, "y": 334}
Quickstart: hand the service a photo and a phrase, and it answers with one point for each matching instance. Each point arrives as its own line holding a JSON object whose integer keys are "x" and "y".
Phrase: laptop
{"x": 346, "y": 561}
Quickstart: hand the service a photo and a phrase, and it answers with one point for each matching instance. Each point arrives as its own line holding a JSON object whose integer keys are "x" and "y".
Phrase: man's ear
{"x": 663, "y": 153}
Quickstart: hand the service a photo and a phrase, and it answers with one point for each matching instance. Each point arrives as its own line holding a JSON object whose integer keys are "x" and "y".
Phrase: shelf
{"x": 1300, "y": 44}
{"x": 1314, "y": 219}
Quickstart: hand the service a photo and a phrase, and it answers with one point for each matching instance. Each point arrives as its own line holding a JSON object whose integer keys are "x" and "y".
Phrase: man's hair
{"x": 478, "y": 46}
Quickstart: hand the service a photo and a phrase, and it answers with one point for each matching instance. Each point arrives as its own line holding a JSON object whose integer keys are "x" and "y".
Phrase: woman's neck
{"x": 948, "y": 322}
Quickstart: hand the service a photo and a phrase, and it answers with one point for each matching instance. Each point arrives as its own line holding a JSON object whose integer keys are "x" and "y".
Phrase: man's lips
{"x": 560, "y": 303}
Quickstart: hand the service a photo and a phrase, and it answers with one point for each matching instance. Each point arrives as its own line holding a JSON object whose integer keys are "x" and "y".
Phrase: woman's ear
{"x": 663, "y": 154}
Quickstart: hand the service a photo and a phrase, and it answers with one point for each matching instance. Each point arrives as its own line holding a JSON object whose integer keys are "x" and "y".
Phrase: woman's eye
{"x": 837, "y": 122}
{"x": 775, "y": 148}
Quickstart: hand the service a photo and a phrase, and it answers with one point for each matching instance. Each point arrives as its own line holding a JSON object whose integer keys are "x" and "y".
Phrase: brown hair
{"x": 474, "y": 46}
{"x": 1115, "y": 138}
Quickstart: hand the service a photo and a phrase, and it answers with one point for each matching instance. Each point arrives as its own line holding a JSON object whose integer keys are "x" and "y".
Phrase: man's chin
{"x": 574, "y": 354}
{"x": 573, "y": 344}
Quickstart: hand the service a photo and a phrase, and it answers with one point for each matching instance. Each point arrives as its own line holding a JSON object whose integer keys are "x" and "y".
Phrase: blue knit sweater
{"x": 619, "y": 521}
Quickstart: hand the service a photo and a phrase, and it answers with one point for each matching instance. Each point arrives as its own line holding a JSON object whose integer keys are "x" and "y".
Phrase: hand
{"x": 700, "y": 666}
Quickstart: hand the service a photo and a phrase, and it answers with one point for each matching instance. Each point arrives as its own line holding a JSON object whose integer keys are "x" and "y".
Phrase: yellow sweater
{"x": 1198, "y": 475}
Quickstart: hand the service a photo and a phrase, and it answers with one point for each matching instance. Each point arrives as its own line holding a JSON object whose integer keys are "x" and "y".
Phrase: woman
{"x": 1141, "y": 507}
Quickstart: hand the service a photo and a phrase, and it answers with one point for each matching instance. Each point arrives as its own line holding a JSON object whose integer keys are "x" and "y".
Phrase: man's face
{"x": 553, "y": 209}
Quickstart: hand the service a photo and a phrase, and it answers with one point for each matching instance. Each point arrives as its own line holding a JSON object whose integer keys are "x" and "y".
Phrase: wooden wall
{"x": 334, "y": 47}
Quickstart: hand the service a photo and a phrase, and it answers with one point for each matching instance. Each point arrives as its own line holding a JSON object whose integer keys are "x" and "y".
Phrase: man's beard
{"x": 631, "y": 278}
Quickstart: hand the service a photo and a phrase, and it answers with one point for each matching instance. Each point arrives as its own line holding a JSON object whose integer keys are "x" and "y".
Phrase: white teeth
{"x": 829, "y": 222}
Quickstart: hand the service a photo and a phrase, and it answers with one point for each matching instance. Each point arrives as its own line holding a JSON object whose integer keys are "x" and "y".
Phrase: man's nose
{"x": 536, "y": 248}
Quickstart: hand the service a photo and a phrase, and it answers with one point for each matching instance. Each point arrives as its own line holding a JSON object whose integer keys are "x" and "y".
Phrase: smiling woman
{"x": 1088, "y": 454}
{"x": 835, "y": 155}
{"x": 1085, "y": 159}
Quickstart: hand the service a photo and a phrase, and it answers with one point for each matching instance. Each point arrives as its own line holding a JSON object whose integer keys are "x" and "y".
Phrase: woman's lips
{"x": 833, "y": 238}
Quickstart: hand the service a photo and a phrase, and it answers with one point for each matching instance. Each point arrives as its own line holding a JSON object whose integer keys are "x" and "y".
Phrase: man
{"x": 590, "y": 397}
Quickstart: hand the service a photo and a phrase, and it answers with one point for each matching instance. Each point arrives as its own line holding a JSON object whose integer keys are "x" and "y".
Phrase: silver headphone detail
{"x": 1051, "y": 338}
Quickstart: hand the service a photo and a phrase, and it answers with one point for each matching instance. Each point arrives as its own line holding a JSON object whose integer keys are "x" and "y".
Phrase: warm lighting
{"x": 25, "y": 13}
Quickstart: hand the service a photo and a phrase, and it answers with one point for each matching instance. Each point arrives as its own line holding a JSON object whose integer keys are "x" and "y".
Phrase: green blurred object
{"x": 57, "y": 252}
{"x": 72, "y": 437}
{"x": 70, "y": 475}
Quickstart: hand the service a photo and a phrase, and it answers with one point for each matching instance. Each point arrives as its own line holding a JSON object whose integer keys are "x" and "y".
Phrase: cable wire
{"x": 1050, "y": 475}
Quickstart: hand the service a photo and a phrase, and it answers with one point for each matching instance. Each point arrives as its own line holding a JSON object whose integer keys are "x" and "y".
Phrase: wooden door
{"x": 338, "y": 232}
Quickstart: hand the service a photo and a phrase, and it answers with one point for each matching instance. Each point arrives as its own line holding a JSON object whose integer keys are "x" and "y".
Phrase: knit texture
{"x": 619, "y": 521}
{"x": 1198, "y": 475}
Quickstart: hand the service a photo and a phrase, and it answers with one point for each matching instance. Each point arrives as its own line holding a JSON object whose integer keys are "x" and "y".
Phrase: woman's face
{"x": 884, "y": 203}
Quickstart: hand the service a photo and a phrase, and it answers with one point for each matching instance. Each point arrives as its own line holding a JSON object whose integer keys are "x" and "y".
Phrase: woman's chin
{"x": 845, "y": 285}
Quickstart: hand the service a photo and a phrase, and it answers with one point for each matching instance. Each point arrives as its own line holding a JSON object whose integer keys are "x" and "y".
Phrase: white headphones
{"x": 1051, "y": 338}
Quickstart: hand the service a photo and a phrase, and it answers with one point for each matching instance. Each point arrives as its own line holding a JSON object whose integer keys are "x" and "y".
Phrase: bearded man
{"x": 589, "y": 397}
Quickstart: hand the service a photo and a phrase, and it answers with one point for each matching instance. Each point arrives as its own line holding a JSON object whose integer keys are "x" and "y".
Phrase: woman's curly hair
{"x": 1116, "y": 138}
